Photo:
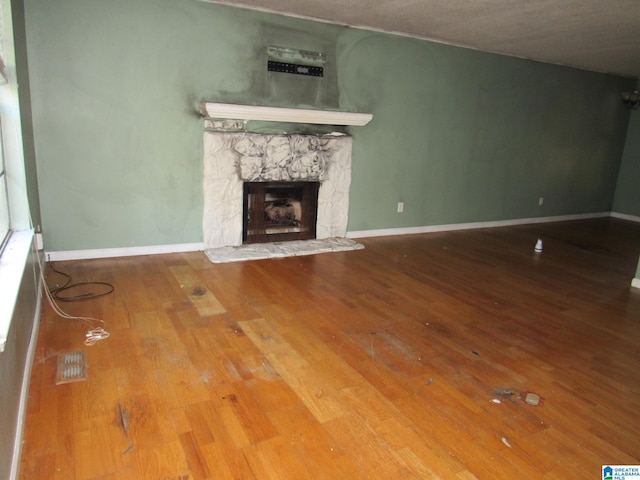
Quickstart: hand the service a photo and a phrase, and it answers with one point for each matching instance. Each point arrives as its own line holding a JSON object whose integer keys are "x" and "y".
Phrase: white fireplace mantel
{"x": 280, "y": 114}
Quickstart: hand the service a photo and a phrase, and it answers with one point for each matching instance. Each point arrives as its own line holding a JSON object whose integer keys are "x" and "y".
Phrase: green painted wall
{"x": 627, "y": 195}
{"x": 458, "y": 135}
{"x": 471, "y": 137}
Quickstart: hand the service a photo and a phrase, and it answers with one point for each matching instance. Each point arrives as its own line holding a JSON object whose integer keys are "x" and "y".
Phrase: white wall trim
{"x": 635, "y": 283}
{"x": 624, "y": 216}
{"x": 469, "y": 226}
{"x": 123, "y": 252}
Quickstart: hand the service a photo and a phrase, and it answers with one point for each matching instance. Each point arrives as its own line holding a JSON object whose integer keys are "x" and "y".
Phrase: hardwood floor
{"x": 382, "y": 363}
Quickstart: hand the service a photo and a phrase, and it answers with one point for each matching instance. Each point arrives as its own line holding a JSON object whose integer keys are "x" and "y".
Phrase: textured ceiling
{"x": 598, "y": 35}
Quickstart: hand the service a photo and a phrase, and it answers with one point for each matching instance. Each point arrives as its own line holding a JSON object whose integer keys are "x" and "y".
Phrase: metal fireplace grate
{"x": 279, "y": 211}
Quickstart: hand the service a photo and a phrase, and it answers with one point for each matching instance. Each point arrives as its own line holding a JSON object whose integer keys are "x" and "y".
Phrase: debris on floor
{"x": 503, "y": 392}
{"x": 198, "y": 291}
{"x": 532, "y": 399}
{"x": 124, "y": 418}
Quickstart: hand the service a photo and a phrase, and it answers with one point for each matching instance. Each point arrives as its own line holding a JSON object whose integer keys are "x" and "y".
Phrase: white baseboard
{"x": 383, "y": 232}
{"x": 468, "y": 226}
{"x": 624, "y": 216}
{"x": 123, "y": 252}
{"x": 635, "y": 283}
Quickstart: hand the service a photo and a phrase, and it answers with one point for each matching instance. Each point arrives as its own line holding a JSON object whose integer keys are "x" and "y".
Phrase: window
{"x": 4, "y": 202}
{"x": 4, "y": 194}
{"x": 16, "y": 235}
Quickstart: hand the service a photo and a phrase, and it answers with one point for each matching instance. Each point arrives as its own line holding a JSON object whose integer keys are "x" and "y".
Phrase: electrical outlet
{"x": 400, "y": 207}
{"x": 540, "y": 200}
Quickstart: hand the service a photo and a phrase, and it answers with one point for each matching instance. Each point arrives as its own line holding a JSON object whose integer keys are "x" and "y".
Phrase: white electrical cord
{"x": 94, "y": 334}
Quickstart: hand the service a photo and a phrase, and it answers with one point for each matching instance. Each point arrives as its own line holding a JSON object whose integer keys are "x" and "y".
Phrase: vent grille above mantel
{"x": 280, "y": 114}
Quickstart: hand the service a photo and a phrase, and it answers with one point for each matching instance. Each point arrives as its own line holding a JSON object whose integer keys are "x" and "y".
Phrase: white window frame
{"x": 5, "y": 230}
{"x": 19, "y": 244}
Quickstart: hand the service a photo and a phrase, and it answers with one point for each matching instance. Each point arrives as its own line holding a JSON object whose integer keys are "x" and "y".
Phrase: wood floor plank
{"x": 273, "y": 459}
{"x": 403, "y": 360}
{"x": 99, "y": 448}
{"x": 164, "y": 460}
{"x": 194, "y": 456}
{"x": 225, "y": 461}
{"x": 205, "y": 301}
{"x": 310, "y": 385}
{"x": 372, "y": 454}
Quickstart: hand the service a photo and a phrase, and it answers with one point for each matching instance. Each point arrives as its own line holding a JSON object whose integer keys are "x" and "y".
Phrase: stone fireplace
{"x": 234, "y": 161}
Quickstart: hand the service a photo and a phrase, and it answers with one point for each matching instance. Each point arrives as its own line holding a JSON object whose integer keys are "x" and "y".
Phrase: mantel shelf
{"x": 231, "y": 111}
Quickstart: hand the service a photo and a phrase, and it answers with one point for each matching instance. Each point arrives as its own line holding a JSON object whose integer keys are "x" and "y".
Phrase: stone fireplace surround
{"x": 231, "y": 158}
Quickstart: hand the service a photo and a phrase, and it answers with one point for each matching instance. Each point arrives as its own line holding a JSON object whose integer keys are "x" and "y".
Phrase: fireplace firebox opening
{"x": 279, "y": 211}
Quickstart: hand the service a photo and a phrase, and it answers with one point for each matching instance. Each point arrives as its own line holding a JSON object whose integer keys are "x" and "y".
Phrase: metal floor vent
{"x": 72, "y": 367}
